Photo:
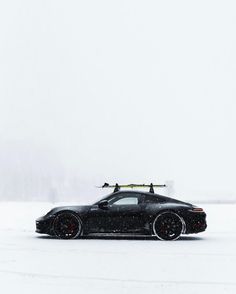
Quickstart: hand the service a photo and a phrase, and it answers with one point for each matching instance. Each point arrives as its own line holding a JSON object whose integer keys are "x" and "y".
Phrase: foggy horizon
{"x": 126, "y": 92}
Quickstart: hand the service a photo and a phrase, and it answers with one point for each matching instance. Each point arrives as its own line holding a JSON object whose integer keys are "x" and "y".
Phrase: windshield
{"x": 105, "y": 197}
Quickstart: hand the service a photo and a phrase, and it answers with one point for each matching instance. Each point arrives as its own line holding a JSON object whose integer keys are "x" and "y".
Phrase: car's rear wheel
{"x": 168, "y": 226}
{"x": 67, "y": 225}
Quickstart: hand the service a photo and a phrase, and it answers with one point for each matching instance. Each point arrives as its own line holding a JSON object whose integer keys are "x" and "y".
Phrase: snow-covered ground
{"x": 31, "y": 263}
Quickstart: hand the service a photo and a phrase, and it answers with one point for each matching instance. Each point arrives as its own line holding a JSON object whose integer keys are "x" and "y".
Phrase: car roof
{"x": 134, "y": 192}
{"x": 164, "y": 198}
{"x": 139, "y": 192}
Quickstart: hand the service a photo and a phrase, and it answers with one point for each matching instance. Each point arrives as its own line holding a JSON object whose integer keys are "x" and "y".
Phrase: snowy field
{"x": 32, "y": 263}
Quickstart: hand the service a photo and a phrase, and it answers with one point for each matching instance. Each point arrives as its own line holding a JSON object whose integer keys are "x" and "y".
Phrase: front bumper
{"x": 44, "y": 225}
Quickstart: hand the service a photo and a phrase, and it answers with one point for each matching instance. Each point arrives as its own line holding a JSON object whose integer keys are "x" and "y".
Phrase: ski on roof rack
{"x": 117, "y": 186}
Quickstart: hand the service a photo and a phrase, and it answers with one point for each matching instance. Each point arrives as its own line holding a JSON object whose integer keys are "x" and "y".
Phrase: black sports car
{"x": 125, "y": 213}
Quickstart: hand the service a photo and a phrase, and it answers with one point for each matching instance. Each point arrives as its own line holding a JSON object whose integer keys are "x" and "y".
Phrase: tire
{"x": 67, "y": 225}
{"x": 168, "y": 226}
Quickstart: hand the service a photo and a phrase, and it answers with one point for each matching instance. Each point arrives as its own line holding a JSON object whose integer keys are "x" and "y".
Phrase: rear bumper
{"x": 195, "y": 222}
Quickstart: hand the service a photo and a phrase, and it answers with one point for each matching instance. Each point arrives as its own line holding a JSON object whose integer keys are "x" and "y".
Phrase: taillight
{"x": 197, "y": 209}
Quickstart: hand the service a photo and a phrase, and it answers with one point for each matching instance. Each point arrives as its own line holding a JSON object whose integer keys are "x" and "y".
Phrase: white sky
{"x": 127, "y": 91}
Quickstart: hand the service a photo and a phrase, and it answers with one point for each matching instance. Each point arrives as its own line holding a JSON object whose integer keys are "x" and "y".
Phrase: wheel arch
{"x": 168, "y": 211}
{"x": 74, "y": 213}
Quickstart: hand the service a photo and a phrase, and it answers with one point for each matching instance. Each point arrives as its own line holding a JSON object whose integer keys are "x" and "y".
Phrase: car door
{"x": 128, "y": 212}
{"x": 122, "y": 215}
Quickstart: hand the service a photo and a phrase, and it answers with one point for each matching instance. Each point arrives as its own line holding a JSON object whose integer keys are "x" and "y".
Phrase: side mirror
{"x": 103, "y": 204}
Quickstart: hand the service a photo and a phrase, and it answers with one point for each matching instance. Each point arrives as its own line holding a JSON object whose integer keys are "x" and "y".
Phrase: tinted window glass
{"x": 126, "y": 201}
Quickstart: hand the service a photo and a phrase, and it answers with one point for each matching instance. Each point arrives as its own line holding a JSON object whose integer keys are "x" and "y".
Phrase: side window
{"x": 126, "y": 201}
{"x": 152, "y": 199}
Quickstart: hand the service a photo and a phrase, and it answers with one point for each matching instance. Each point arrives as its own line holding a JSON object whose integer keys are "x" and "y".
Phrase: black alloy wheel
{"x": 67, "y": 226}
{"x": 168, "y": 226}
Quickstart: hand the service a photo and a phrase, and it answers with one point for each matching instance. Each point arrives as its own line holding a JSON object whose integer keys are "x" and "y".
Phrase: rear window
{"x": 153, "y": 199}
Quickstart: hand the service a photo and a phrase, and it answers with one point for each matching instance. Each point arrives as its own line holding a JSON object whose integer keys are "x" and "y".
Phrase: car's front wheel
{"x": 67, "y": 225}
{"x": 168, "y": 226}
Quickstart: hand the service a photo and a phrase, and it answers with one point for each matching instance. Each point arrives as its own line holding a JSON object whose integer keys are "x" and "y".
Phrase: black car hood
{"x": 75, "y": 208}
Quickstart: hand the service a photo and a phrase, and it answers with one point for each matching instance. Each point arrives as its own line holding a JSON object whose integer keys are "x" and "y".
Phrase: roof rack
{"x": 117, "y": 186}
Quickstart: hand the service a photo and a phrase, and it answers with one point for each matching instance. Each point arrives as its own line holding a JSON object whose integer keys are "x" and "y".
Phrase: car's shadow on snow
{"x": 136, "y": 238}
